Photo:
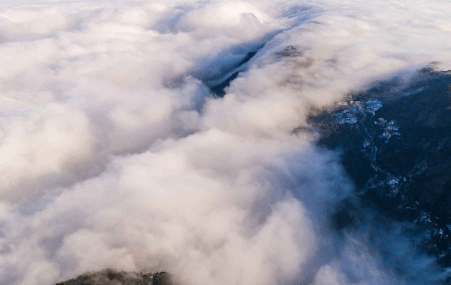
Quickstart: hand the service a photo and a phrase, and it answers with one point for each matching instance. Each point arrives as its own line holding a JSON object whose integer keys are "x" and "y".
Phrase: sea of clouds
{"x": 115, "y": 154}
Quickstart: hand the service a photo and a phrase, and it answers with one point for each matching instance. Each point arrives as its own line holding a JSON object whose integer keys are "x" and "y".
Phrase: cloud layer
{"x": 115, "y": 154}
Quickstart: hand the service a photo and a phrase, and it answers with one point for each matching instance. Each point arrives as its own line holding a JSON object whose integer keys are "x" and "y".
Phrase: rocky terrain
{"x": 113, "y": 277}
{"x": 395, "y": 141}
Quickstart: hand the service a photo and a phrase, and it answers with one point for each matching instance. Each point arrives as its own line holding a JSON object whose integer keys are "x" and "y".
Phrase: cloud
{"x": 115, "y": 154}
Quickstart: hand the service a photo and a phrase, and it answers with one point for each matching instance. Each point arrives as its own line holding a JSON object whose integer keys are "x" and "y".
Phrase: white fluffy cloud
{"x": 114, "y": 154}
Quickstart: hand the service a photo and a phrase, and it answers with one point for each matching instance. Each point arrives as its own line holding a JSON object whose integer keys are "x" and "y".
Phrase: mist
{"x": 115, "y": 153}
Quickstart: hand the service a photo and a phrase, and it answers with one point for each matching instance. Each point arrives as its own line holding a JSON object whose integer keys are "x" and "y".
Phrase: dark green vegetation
{"x": 395, "y": 140}
{"x": 112, "y": 277}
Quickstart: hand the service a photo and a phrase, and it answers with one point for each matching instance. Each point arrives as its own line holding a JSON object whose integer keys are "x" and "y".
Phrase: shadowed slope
{"x": 109, "y": 276}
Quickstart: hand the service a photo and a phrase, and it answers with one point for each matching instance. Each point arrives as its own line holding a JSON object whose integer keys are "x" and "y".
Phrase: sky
{"x": 114, "y": 152}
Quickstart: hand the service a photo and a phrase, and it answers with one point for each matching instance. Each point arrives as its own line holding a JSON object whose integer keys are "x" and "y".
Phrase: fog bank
{"x": 115, "y": 153}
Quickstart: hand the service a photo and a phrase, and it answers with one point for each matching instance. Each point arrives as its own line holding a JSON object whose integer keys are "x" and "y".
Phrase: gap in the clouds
{"x": 219, "y": 90}
{"x": 218, "y": 71}
{"x": 226, "y": 66}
